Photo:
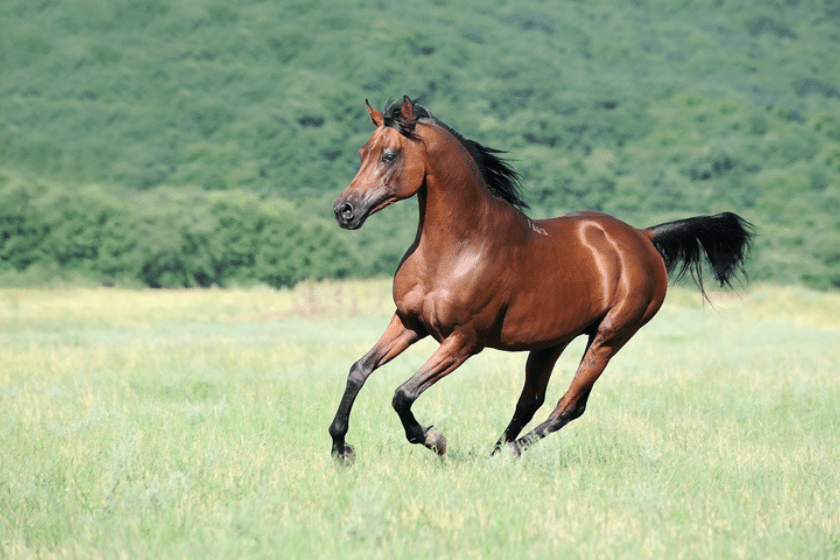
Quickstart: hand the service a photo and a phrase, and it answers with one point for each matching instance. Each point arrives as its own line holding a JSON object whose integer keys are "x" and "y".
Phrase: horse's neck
{"x": 456, "y": 205}
{"x": 454, "y": 202}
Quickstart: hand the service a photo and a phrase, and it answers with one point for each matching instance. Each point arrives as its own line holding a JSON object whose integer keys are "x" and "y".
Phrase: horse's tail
{"x": 725, "y": 238}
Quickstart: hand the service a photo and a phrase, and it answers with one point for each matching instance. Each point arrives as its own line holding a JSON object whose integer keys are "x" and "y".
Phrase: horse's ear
{"x": 407, "y": 112}
{"x": 375, "y": 116}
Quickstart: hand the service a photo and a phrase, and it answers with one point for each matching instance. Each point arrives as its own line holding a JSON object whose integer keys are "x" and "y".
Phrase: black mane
{"x": 501, "y": 179}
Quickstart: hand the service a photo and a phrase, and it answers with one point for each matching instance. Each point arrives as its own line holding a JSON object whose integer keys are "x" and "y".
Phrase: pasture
{"x": 193, "y": 424}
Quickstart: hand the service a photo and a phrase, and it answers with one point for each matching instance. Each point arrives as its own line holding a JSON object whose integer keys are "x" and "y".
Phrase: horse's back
{"x": 604, "y": 235}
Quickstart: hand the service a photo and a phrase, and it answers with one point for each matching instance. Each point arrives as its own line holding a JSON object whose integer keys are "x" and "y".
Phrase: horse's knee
{"x": 359, "y": 372}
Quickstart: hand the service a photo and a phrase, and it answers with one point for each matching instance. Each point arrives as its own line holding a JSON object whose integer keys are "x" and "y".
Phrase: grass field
{"x": 193, "y": 424}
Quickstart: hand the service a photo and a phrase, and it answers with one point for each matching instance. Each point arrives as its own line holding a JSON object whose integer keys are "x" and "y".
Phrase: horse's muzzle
{"x": 347, "y": 215}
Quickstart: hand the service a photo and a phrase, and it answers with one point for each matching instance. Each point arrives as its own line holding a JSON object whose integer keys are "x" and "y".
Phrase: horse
{"x": 482, "y": 274}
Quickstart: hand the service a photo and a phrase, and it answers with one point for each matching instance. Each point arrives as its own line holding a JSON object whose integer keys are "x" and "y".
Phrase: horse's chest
{"x": 441, "y": 310}
{"x": 428, "y": 308}
{"x": 410, "y": 302}
{"x": 421, "y": 306}
{"x": 447, "y": 294}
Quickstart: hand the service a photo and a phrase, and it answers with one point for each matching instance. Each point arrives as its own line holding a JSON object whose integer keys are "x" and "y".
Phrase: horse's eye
{"x": 389, "y": 156}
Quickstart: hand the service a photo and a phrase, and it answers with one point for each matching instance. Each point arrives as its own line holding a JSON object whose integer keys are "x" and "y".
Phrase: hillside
{"x": 148, "y": 111}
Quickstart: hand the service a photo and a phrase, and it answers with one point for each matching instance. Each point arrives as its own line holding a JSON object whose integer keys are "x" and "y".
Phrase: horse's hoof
{"x": 345, "y": 458}
{"x": 505, "y": 448}
{"x": 435, "y": 441}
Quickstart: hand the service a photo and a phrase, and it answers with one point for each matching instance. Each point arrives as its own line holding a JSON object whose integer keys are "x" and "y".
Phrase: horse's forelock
{"x": 395, "y": 118}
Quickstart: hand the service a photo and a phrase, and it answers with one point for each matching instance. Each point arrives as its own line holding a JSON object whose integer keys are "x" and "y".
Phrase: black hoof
{"x": 345, "y": 457}
{"x": 509, "y": 446}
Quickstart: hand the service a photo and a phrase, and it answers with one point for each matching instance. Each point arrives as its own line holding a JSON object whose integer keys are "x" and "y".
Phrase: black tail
{"x": 725, "y": 238}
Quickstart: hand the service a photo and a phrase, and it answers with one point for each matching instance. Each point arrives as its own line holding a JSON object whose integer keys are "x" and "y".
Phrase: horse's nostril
{"x": 345, "y": 211}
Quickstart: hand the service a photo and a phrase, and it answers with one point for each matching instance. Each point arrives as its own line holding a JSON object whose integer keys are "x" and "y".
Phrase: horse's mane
{"x": 501, "y": 179}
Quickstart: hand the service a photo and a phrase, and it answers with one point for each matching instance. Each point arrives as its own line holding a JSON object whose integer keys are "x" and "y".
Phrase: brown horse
{"x": 481, "y": 274}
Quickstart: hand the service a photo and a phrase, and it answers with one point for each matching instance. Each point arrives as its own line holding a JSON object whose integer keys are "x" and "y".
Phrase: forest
{"x": 200, "y": 142}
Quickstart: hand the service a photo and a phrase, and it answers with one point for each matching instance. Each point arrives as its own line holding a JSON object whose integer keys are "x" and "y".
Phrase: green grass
{"x": 192, "y": 424}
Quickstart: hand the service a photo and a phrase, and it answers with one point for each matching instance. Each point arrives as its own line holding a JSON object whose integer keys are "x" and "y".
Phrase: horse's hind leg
{"x": 600, "y": 349}
{"x": 537, "y": 373}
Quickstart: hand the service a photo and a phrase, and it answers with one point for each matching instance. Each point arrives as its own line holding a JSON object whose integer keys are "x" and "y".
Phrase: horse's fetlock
{"x": 402, "y": 400}
{"x": 338, "y": 430}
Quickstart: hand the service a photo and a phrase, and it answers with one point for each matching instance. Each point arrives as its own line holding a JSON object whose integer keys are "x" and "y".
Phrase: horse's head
{"x": 393, "y": 167}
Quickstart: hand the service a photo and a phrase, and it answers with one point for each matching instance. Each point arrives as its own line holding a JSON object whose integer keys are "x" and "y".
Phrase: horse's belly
{"x": 543, "y": 326}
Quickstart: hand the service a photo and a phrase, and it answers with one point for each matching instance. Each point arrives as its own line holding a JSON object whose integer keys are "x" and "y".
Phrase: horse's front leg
{"x": 396, "y": 338}
{"x": 452, "y": 352}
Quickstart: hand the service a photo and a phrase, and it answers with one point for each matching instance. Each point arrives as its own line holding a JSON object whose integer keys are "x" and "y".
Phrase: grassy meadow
{"x": 193, "y": 424}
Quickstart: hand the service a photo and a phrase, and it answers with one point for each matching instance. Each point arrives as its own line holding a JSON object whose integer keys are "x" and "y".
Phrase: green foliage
{"x": 168, "y": 239}
{"x": 646, "y": 109}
